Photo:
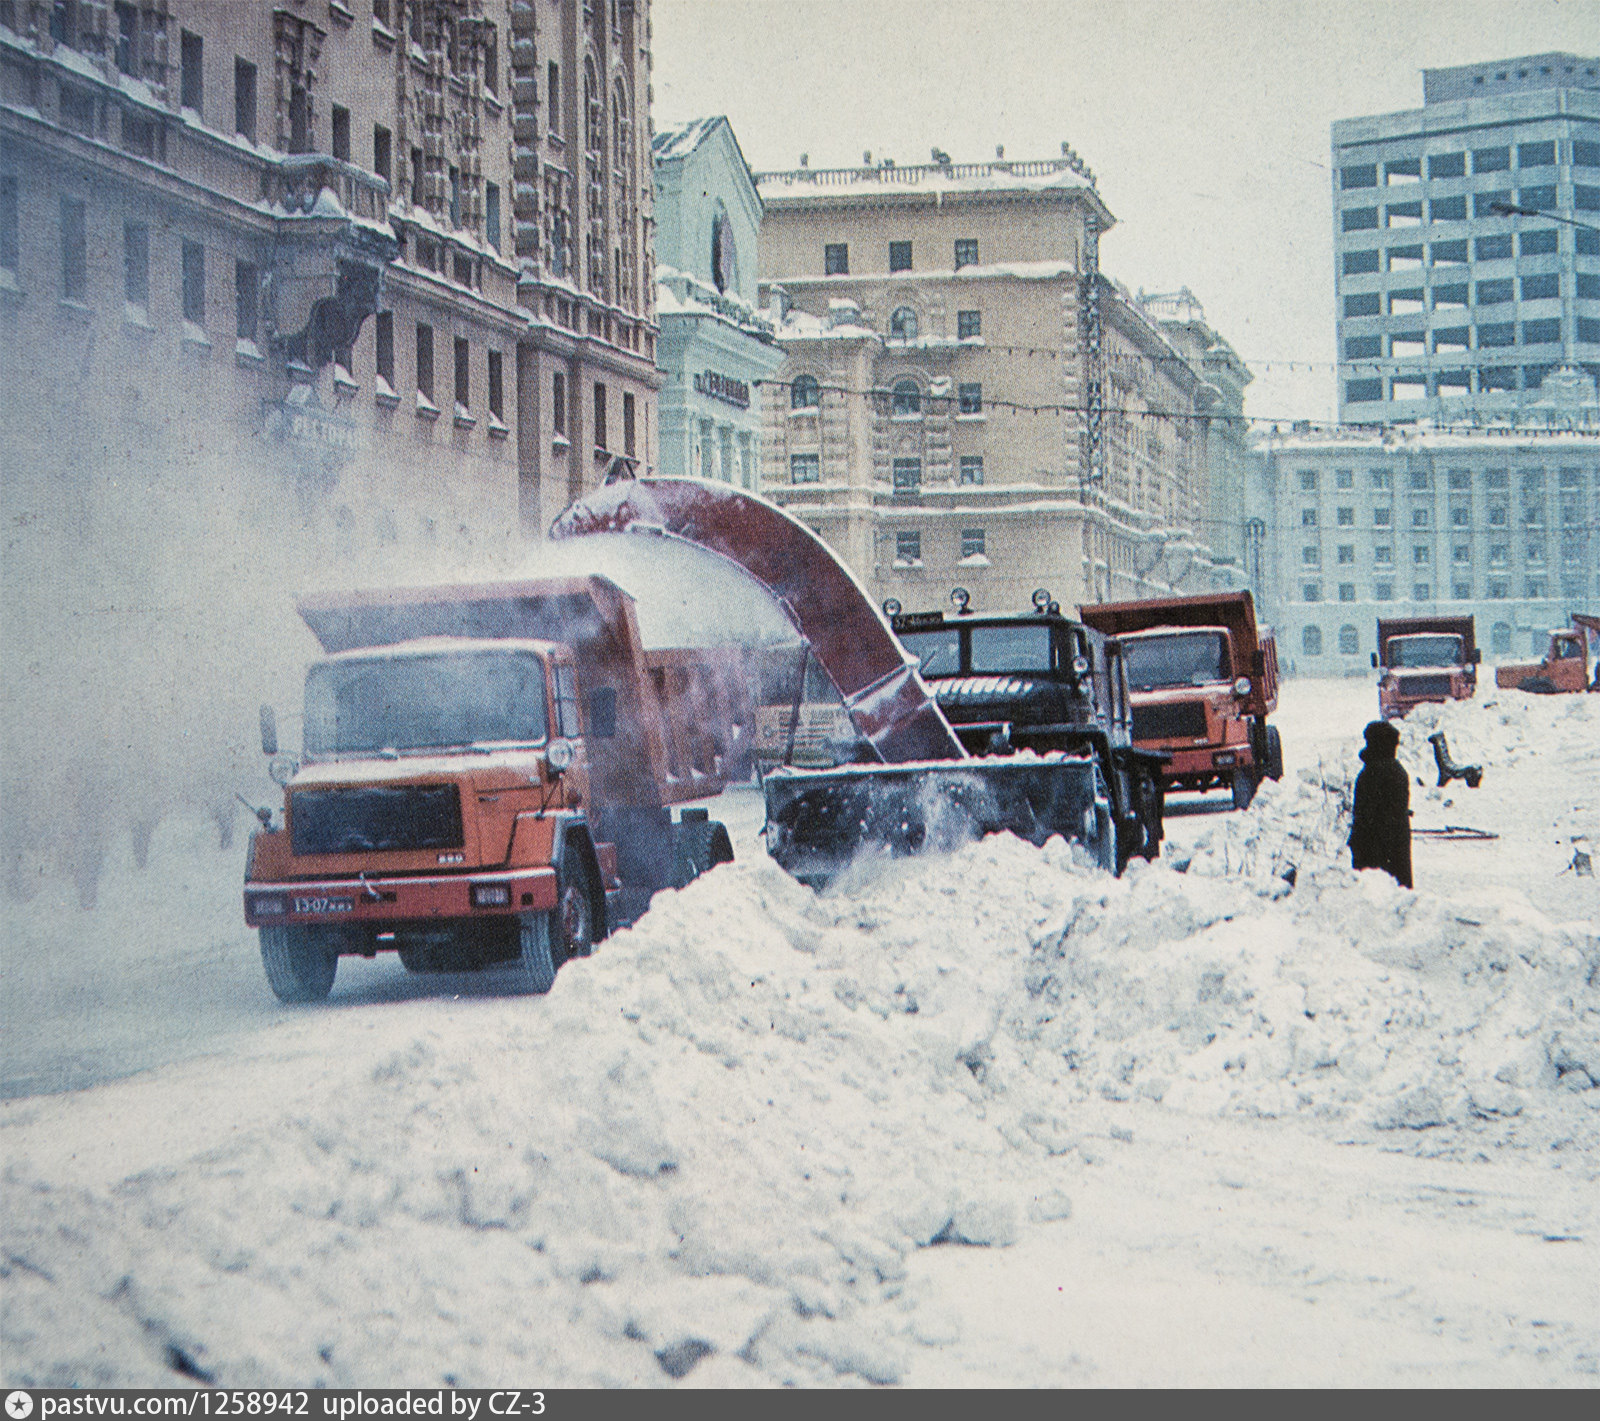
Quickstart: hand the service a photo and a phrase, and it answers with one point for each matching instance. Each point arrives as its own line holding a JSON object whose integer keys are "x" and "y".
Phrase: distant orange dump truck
{"x": 1204, "y": 679}
{"x": 1424, "y": 659}
{"x": 1566, "y": 665}
{"x": 487, "y": 776}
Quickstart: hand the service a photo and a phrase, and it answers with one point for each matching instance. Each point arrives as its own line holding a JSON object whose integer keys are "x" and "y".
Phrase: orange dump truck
{"x": 1566, "y": 664}
{"x": 487, "y": 776}
{"x": 1424, "y": 659}
{"x": 1204, "y": 679}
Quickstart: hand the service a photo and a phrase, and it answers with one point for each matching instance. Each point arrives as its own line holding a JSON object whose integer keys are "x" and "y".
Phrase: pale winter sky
{"x": 1205, "y": 121}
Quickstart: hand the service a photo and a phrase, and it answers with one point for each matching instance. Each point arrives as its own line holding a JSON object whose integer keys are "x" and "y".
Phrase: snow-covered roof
{"x": 670, "y": 143}
{"x": 1395, "y": 439}
{"x": 680, "y": 293}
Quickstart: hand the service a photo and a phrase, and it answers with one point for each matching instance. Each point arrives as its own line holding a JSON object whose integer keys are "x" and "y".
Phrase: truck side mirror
{"x": 602, "y": 712}
{"x": 269, "y": 731}
{"x": 1374, "y": 661}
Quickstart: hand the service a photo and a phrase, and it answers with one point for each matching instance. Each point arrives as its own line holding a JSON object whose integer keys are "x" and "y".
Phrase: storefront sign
{"x": 723, "y": 387}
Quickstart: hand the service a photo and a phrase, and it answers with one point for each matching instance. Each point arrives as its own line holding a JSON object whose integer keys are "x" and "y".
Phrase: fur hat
{"x": 1382, "y": 741}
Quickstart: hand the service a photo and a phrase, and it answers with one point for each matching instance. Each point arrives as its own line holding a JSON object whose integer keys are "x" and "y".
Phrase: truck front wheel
{"x": 300, "y": 963}
{"x": 1274, "y": 754}
{"x": 1244, "y": 788}
{"x": 566, "y": 931}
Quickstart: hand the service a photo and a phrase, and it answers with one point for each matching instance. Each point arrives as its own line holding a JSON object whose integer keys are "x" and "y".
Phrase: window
{"x": 1361, "y": 391}
{"x": 1420, "y": 481}
{"x": 600, "y": 441}
{"x": 966, "y": 252}
{"x": 1380, "y": 478}
{"x": 1535, "y": 551}
{"x": 1308, "y": 518}
{"x": 1349, "y": 638}
{"x": 1536, "y": 587}
{"x": 383, "y": 341}
{"x": 1491, "y": 160}
{"x": 491, "y": 58}
{"x": 1499, "y": 554}
{"x": 1308, "y": 480}
{"x": 246, "y": 300}
{"x": 969, "y": 397}
{"x": 1461, "y": 591}
{"x": 1493, "y": 293}
{"x": 906, "y": 401}
{"x": 341, "y": 133}
{"x": 491, "y": 214}
{"x": 1461, "y": 553}
{"x": 899, "y": 256}
{"x": 10, "y": 218}
{"x": 1536, "y": 155}
{"x": 1311, "y": 639}
{"x": 1402, "y": 170}
{"x": 194, "y": 283}
{"x": 1383, "y": 592}
{"x": 1447, "y": 165}
{"x": 497, "y": 391}
{"x": 1360, "y": 219}
{"x": 805, "y": 468}
{"x": 127, "y": 39}
{"x": 191, "y": 51}
{"x": 1347, "y": 552}
{"x": 836, "y": 259}
{"x": 805, "y": 393}
{"x": 139, "y": 134}
{"x": 903, "y": 324}
{"x": 78, "y": 110}
{"x": 1364, "y": 303}
{"x": 1403, "y": 214}
{"x": 1585, "y": 155}
{"x": 907, "y": 475}
{"x": 1448, "y": 209}
{"x": 1422, "y": 592}
{"x": 1420, "y": 554}
{"x": 1382, "y": 517}
{"x": 1345, "y": 517}
{"x": 1344, "y": 478}
{"x": 1498, "y": 590}
{"x": 1542, "y": 243}
{"x": 1421, "y": 517}
{"x": 425, "y": 361}
{"x": 1588, "y": 286}
{"x": 244, "y": 100}
{"x": 969, "y": 325}
{"x": 1347, "y": 592}
{"x": 455, "y": 197}
{"x": 136, "y": 264}
{"x": 1540, "y": 199}
{"x": 1358, "y": 176}
{"x": 1363, "y": 348}
{"x": 1586, "y": 199}
{"x": 1460, "y": 479}
{"x": 1447, "y": 253}
{"x": 1311, "y": 555}
{"x": 1460, "y": 516}
{"x": 627, "y": 422}
{"x": 971, "y": 469}
{"x": 1488, "y": 204}
{"x": 1358, "y": 263}
{"x": 972, "y": 543}
{"x": 382, "y": 144}
{"x": 1501, "y": 333}
{"x": 552, "y": 95}
{"x": 1545, "y": 332}
{"x": 908, "y": 547}
{"x": 558, "y": 404}
{"x": 1498, "y": 515}
{"x": 463, "y": 373}
{"x": 1493, "y": 248}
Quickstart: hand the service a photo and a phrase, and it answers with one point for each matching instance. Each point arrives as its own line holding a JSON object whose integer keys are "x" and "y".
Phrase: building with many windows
{"x": 716, "y": 347}
{"x": 1502, "y": 525}
{"x": 291, "y": 290}
{"x": 1451, "y": 305}
{"x": 966, "y": 400}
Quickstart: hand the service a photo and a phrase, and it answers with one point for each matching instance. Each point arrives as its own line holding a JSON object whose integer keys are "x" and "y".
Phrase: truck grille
{"x": 376, "y": 817}
{"x": 1430, "y": 685}
{"x": 1170, "y": 720}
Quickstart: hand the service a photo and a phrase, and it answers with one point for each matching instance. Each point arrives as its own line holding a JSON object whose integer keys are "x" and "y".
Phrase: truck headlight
{"x": 1241, "y": 687}
{"x": 281, "y": 768}
{"x": 559, "y": 756}
{"x": 491, "y": 895}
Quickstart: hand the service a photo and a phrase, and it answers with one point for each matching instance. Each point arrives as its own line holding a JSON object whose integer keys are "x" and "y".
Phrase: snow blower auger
{"x": 904, "y": 778}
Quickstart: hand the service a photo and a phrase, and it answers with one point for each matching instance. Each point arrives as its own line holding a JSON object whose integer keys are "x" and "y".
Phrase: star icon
{"x": 19, "y": 1406}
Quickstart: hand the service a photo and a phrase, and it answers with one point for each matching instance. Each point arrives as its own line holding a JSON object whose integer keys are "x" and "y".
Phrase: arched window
{"x": 620, "y": 128}
{"x": 903, "y": 324}
{"x": 1500, "y": 639}
{"x": 1311, "y": 640}
{"x": 594, "y": 130}
{"x": 805, "y": 393}
{"x": 907, "y": 398}
{"x": 1349, "y": 640}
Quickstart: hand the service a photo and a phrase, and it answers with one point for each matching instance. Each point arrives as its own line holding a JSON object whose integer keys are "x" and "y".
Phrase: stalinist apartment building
{"x": 292, "y": 292}
{"x": 1449, "y": 306}
{"x": 966, "y": 400}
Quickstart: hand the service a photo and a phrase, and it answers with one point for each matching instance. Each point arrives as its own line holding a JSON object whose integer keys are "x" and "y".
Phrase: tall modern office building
{"x": 1450, "y": 307}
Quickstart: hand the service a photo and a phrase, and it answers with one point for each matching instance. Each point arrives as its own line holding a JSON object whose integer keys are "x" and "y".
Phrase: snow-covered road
{"x": 994, "y": 1119}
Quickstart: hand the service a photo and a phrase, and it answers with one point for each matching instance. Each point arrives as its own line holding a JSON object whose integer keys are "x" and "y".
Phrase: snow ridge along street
{"x": 1241, "y": 1116}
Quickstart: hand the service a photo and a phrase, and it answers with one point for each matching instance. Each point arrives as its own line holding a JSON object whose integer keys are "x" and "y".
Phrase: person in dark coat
{"x": 1380, "y": 828}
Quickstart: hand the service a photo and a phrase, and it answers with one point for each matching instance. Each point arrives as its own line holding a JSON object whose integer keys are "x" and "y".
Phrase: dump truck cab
{"x": 1203, "y": 679}
{"x": 1565, "y": 666}
{"x": 1424, "y": 659}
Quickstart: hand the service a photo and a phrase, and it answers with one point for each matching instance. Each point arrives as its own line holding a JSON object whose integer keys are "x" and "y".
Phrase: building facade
{"x": 290, "y": 292}
{"x": 1449, "y": 306}
{"x": 965, "y": 399}
{"x": 1502, "y": 525}
{"x": 716, "y": 348}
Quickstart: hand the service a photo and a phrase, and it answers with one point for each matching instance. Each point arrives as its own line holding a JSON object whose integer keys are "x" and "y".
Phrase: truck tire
{"x": 1152, "y": 806}
{"x": 574, "y": 924}
{"x": 1244, "y": 787}
{"x": 300, "y": 963}
{"x": 538, "y": 963}
{"x": 1274, "y": 766}
{"x": 699, "y": 845}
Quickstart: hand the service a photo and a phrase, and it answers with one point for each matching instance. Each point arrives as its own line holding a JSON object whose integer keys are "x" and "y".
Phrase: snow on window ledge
{"x": 464, "y": 418}
{"x": 560, "y": 444}
{"x": 426, "y": 409}
{"x": 383, "y": 393}
{"x": 497, "y": 428}
{"x": 907, "y": 562}
{"x": 195, "y": 336}
{"x": 974, "y": 560}
{"x": 344, "y": 383}
{"x": 248, "y": 354}
{"x": 975, "y": 417}
{"x": 136, "y": 318}
{"x": 8, "y": 281}
{"x": 382, "y": 34}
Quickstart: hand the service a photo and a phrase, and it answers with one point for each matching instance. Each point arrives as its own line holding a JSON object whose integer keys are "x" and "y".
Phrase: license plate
{"x": 323, "y": 905}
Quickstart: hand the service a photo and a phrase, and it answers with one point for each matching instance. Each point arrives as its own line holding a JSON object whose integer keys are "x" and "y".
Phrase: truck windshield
{"x": 938, "y": 652}
{"x": 424, "y": 702}
{"x": 1181, "y": 659}
{"x": 1425, "y": 651}
{"x": 1009, "y": 649}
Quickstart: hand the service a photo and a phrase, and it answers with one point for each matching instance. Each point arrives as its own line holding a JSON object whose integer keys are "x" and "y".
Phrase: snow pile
{"x": 711, "y": 1151}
